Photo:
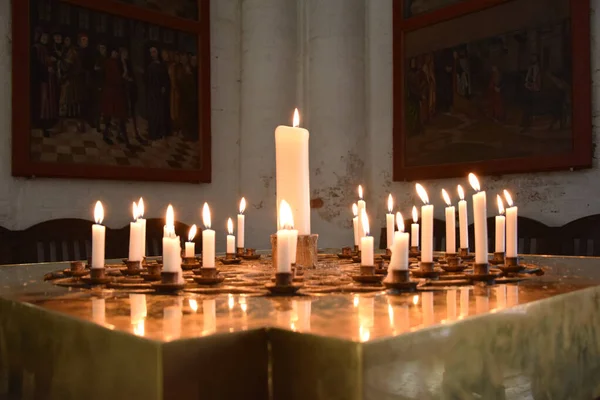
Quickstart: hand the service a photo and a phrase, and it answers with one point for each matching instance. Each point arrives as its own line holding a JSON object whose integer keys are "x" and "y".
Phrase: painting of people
{"x": 107, "y": 90}
{"x": 504, "y": 94}
{"x": 177, "y": 8}
{"x": 416, "y": 7}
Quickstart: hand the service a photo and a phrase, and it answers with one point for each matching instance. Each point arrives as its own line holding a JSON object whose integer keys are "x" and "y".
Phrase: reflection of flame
{"x": 365, "y": 222}
{"x": 296, "y": 121}
{"x": 192, "y": 233}
{"x": 242, "y": 205}
{"x": 243, "y": 304}
{"x": 461, "y": 192}
{"x": 364, "y": 333}
{"x": 360, "y": 192}
{"x": 446, "y": 197}
{"x": 193, "y": 304}
{"x": 391, "y": 315}
{"x": 474, "y": 182}
{"x": 415, "y": 299}
{"x": 422, "y": 193}
{"x": 400, "y": 221}
{"x": 500, "y": 205}
{"x": 355, "y": 301}
{"x": 98, "y": 212}
{"x": 390, "y": 203}
{"x": 415, "y": 214}
{"x": 355, "y": 209}
{"x": 206, "y": 216}
{"x": 231, "y": 301}
{"x": 139, "y": 329}
{"x": 508, "y": 198}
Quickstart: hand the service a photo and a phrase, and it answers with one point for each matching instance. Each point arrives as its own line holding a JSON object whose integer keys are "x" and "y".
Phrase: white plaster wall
{"x": 333, "y": 58}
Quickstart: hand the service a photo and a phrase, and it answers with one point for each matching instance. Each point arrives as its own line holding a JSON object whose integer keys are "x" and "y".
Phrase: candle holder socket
{"x": 208, "y": 276}
{"x": 133, "y": 268}
{"x": 169, "y": 282}
{"x": 498, "y": 258}
{"x": 356, "y": 248}
{"x": 230, "y": 256}
{"x": 388, "y": 255}
{"x": 77, "y": 269}
{"x": 239, "y": 251}
{"x": 380, "y": 267}
{"x": 97, "y": 277}
{"x": 453, "y": 264}
{"x": 399, "y": 281}
{"x": 189, "y": 263}
{"x": 413, "y": 252}
{"x": 284, "y": 284}
{"x": 357, "y": 257}
{"x": 481, "y": 273}
{"x": 250, "y": 254}
{"x": 346, "y": 254}
{"x": 512, "y": 266}
{"x": 426, "y": 270}
{"x": 465, "y": 255}
{"x": 230, "y": 259}
{"x": 367, "y": 275}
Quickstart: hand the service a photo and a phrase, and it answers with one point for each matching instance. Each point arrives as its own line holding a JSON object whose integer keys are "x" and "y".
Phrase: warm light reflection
{"x": 243, "y": 304}
{"x": 360, "y": 192}
{"x": 355, "y": 209}
{"x": 296, "y": 120}
{"x": 172, "y": 322}
{"x": 500, "y": 205}
{"x": 355, "y": 301}
{"x": 209, "y": 311}
{"x": 242, "y": 205}
{"x": 170, "y": 218}
{"x": 446, "y": 197}
{"x": 390, "y": 203}
{"x": 474, "y": 182}
{"x": 230, "y": 226}
{"x": 422, "y": 193}
{"x": 400, "y": 221}
{"x": 365, "y": 222}
{"x": 98, "y": 212}
{"x": 461, "y": 192}
{"x": 230, "y": 301}
{"x": 286, "y": 219}
{"x": 391, "y": 315}
{"x": 364, "y": 334}
{"x": 427, "y": 308}
{"x": 415, "y": 214}
{"x": 141, "y": 208}
{"x": 135, "y": 211}
{"x": 415, "y": 299}
{"x": 139, "y": 328}
{"x": 206, "y": 216}
{"x": 192, "y": 233}
{"x": 193, "y": 305}
{"x": 508, "y": 198}
{"x": 464, "y": 302}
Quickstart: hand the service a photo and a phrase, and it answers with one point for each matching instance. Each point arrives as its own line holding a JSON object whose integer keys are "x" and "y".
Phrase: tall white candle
{"x": 241, "y": 225}
{"x": 500, "y": 229}
{"x": 512, "y": 238}
{"x": 480, "y": 221}
{"x": 450, "y": 224}
{"x": 171, "y": 245}
{"x": 389, "y": 222}
{"x": 362, "y": 205}
{"x": 293, "y": 177}
{"x": 230, "y": 237}
{"x": 366, "y": 243}
{"x": 98, "y": 237}
{"x": 463, "y": 220}
{"x": 135, "y": 233}
{"x": 355, "y": 224}
{"x": 208, "y": 240}
{"x": 399, "y": 260}
{"x": 293, "y": 244}
{"x": 426, "y": 225}
{"x": 141, "y": 210}
{"x": 284, "y": 256}
{"x": 190, "y": 245}
{"x": 414, "y": 228}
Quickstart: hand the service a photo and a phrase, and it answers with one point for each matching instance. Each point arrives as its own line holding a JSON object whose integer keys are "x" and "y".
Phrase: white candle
{"x": 362, "y": 205}
{"x": 171, "y": 245}
{"x": 135, "y": 233}
{"x": 427, "y": 226}
{"x": 98, "y": 237}
{"x": 414, "y": 228}
{"x": 463, "y": 220}
{"x": 230, "y": 237}
{"x": 450, "y": 225}
{"x": 241, "y": 225}
{"x": 141, "y": 210}
{"x": 190, "y": 245}
{"x": 500, "y": 229}
{"x": 293, "y": 244}
{"x": 512, "y": 238}
{"x": 480, "y": 221}
{"x": 208, "y": 240}
{"x": 389, "y": 222}
{"x": 293, "y": 177}
{"x": 399, "y": 260}
{"x": 355, "y": 224}
{"x": 284, "y": 257}
{"x": 366, "y": 243}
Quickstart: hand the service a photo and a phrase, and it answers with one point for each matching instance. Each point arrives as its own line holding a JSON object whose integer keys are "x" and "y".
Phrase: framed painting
{"x": 491, "y": 86}
{"x": 111, "y": 89}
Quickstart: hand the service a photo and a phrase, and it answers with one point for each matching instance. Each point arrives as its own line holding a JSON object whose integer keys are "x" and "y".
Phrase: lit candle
{"x": 414, "y": 228}
{"x": 480, "y": 221}
{"x": 450, "y": 224}
{"x": 463, "y": 220}
{"x": 98, "y": 237}
{"x": 500, "y": 227}
{"x": 366, "y": 243}
{"x": 355, "y": 224}
{"x": 362, "y": 205}
{"x": 293, "y": 176}
{"x": 171, "y": 245}
{"x": 511, "y": 227}
{"x": 230, "y": 237}
{"x": 208, "y": 240}
{"x": 135, "y": 233}
{"x": 427, "y": 226}
{"x": 141, "y": 210}
{"x": 389, "y": 222}
{"x": 293, "y": 240}
{"x": 241, "y": 224}
{"x": 284, "y": 257}
{"x": 399, "y": 260}
{"x": 190, "y": 245}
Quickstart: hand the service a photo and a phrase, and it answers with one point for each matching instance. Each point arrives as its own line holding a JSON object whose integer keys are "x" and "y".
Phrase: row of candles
{"x": 398, "y": 241}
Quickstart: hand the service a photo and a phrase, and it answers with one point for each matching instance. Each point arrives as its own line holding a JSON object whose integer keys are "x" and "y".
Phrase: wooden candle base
{"x": 306, "y": 251}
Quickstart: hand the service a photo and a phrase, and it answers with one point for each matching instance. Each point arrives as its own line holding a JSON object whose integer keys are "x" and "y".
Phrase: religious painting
{"x": 176, "y": 8}
{"x": 416, "y": 7}
{"x": 109, "y": 95}
{"x": 495, "y": 91}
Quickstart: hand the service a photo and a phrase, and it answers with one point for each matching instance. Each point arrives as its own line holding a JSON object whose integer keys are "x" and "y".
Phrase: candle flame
{"x": 230, "y": 226}
{"x": 355, "y": 209}
{"x": 135, "y": 211}
{"x": 400, "y": 221}
{"x": 286, "y": 219}
{"x": 390, "y": 203}
{"x": 474, "y": 182}
{"x": 193, "y": 304}
{"x": 422, "y": 193}
{"x": 98, "y": 212}
{"x": 446, "y": 197}
{"x": 500, "y": 205}
{"x": 206, "y": 216}
{"x": 170, "y": 217}
{"x": 461, "y": 192}
{"x": 243, "y": 304}
{"x": 242, "y": 205}
{"x": 508, "y": 198}
{"x": 192, "y": 233}
{"x": 416, "y": 299}
{"x": 415, "y": 214}
{"x": 365, "y": 222}
{"x": 296, "y": 121}
{"x": 141, "y": 208}
{"x": 360, "y": 192}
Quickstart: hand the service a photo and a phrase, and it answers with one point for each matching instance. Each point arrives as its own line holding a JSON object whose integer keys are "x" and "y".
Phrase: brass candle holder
{"x": 97, "y": 277}
{"x": 133, "y": 268}
{"x": 498, "y": 258}
{"x": 398, "y": 280}
{"x": 512, "y": 266}
{"x": 453, "y": 263}
{"x": 208, "y": 276}
{"x": 413, "y": 252}
{"x": 367, "y": 275}
{"x": 230, "y": 259}
{"x": 388, "y": 255}
{"x": 284, "y": 284}
{"x": 481, "y": 273}
{"x": 357, "y": 257}
{"x": 346, "y": 254}
{"x": 153, "y": 272}
{"x": 189, "y": 263}
{"x": 77, "y": 269}
{"x": 239, "y": 251}
{"x": 465, "y": 255}
{"x": 426, "y": 270}
{"x": 250, "y": 254}
{"x": 169, "y": 282}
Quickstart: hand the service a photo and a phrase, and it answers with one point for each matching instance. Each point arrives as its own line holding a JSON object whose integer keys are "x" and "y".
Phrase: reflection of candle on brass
{"x": 427, "y": 307}
{"x": 482, "y": 304}
{"x": 415, "y": 299}
{"x": 500, "y": 297}
{"x": 172, "y": 322}
{"x": 244, "y": 307}
{"x": 193, "y": 305}
{"x": 366, "y": 317}
{"x": 399, "y": 319}
{"x": 99, "y": 311}
{"x": 512, "y": 295}
{"x": 464, "y": 302}
{"x": 230, "y": 305}
{"x": 138, "y": 313}
{"x": 209, "y": 310}
{"x": 301, "y": 310}
{"x": 451, "y": 305}
{"x": 355, "y": 301}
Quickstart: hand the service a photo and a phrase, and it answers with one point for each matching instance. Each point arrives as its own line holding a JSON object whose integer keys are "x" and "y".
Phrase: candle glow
{"x": 422, "y": 193}
{"x": 355, "y": 209}
{"x": 98, "y": 213}
{"x": 135, "y": 211}
{"x": 242, "y": 205}
{"x": 286, "y": 219}
{"x": 415, "y": 214}
{"x": 170, "y": 218}
{"x": 140, "y": 208}
{"x": 400, "y": 221}
{"x": 446, "y": 197}
{"x": 508, "y": 198}
{"x": 206, "y": 216}
{"x": 500, "y": 205}
{"x": 296, "y": 120}
{"x": 360, "y": 192}
{"x": 365, "y": 222}
{"x": 461, "y": 192}
{"x": 390, "y": 203}
{"x": 474, "y": 182}
{"x": 192, "y": 233}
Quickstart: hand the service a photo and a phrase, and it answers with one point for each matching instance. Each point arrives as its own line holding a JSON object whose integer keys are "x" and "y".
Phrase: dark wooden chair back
{"x": 580, "y": 237}
{"x": 7, "y": 241}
